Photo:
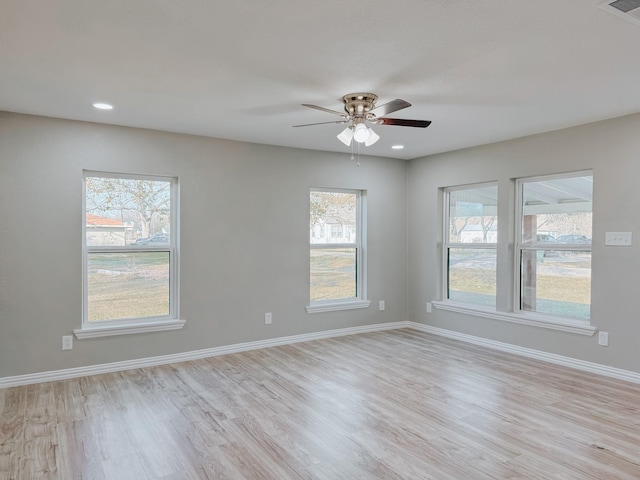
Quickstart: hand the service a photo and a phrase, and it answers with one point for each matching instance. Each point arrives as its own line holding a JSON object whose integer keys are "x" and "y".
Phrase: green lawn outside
{"x": 127, "y": 285}
{"x": 563, "y": 283}
{"x": 333, "y": 274}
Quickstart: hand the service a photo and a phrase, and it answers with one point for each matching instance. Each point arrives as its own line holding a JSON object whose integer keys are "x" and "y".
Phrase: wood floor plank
{"x": 12, "y": 426}
{"x": 398, "y": 404}
{"x": 38, "y": 453}
{"x": 77, "y": 454}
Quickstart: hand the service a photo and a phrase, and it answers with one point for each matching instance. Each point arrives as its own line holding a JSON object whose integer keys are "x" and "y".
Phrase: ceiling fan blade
{"x": 324, "y": 109}
{"x": 403, "y": 123}
{"x": 321, "y": 123}
{"x": 392, "y": 106}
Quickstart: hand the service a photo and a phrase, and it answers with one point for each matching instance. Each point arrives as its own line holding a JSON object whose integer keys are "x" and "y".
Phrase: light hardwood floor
{"x": 391, "y": 405}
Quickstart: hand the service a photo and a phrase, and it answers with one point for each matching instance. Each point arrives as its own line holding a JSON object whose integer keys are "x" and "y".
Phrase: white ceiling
{"x": 482, "y": 71}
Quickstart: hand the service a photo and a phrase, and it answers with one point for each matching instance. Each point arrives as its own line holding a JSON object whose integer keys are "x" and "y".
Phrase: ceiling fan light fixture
{"x": 346, "y": 136}
{"x": 361, "y": 133}
{"x": 360, "y": 110}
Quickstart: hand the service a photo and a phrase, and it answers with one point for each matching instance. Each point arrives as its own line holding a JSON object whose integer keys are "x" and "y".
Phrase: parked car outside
{"x": 543, "y": 238}
{"x": 576, "y": 239}
{"x": 158, "y": 238}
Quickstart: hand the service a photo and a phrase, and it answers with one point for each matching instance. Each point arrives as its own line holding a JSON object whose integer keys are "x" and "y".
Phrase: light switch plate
{"x": 618, "y": 239}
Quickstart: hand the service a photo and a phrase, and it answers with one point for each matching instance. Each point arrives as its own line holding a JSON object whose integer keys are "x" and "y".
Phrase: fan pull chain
{"x": 353, "y": 157}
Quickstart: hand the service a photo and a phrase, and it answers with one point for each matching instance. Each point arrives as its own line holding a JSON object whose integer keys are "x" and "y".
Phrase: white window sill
{"x": 535, "y": 320}
{"x": 125, "y": 329}
{"x": 336, "y": 306}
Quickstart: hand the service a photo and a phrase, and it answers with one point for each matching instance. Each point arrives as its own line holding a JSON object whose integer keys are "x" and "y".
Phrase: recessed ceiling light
{"x": 103, "y": 106}
{"x": 398, "y": 147}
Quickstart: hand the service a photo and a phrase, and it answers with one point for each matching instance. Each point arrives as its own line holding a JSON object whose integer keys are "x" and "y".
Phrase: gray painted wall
{"x": 244, "y": 238}
{"x": 612, "y": 149}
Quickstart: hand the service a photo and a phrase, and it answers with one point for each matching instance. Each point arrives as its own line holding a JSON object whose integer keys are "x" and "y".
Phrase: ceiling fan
{"x": 360, "y": 109}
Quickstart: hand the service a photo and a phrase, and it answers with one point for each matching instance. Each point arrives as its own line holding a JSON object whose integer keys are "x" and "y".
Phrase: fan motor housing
{"x": 359, "y": 104}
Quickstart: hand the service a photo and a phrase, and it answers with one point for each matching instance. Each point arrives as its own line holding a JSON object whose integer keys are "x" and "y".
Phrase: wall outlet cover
{"x": 67, "y": 342}
{"x": 603, "y": 339}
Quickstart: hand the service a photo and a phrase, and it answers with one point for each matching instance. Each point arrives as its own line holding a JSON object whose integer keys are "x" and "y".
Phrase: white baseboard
{"x": 597, "y": 368}
{"x": 52, "y": 376}
{"x": 55, "y": 375}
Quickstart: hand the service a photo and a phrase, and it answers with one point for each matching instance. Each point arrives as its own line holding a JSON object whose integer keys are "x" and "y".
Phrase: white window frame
{"x": 359, "y": 301}
{"x": 134, "y": 325}
{"x": 513, "y": 314}
{"x": 520, "y": 246}
{"x": 447, "y": 244}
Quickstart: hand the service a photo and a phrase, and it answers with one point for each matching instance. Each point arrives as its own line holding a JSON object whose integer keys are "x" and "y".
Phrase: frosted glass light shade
{"x": 373, "y": 138}
{"x": 346, "y": 136}
{"x": 361, "y": 133}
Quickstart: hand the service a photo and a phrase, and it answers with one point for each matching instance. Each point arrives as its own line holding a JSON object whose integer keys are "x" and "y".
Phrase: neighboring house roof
{"x": 97, "y": 221}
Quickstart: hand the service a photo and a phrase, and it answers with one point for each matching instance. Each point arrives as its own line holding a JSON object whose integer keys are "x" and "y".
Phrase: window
{"x": 554, "y": 245}
{"x": 470, "y": 244}
{"x": 336, "y": 250}
{"x": 130, "y": 253}
{"x": 336, "y": 231}
{"x": 545, "y": 274}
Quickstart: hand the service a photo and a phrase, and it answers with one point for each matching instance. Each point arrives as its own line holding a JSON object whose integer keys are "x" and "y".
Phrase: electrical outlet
{"x": 428, "y": 307}
{"x": 67, "y": 342}
{"x": 268, "y": 318}
{"x": 381, "y": 305}
{"x": 603, "y": 339}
